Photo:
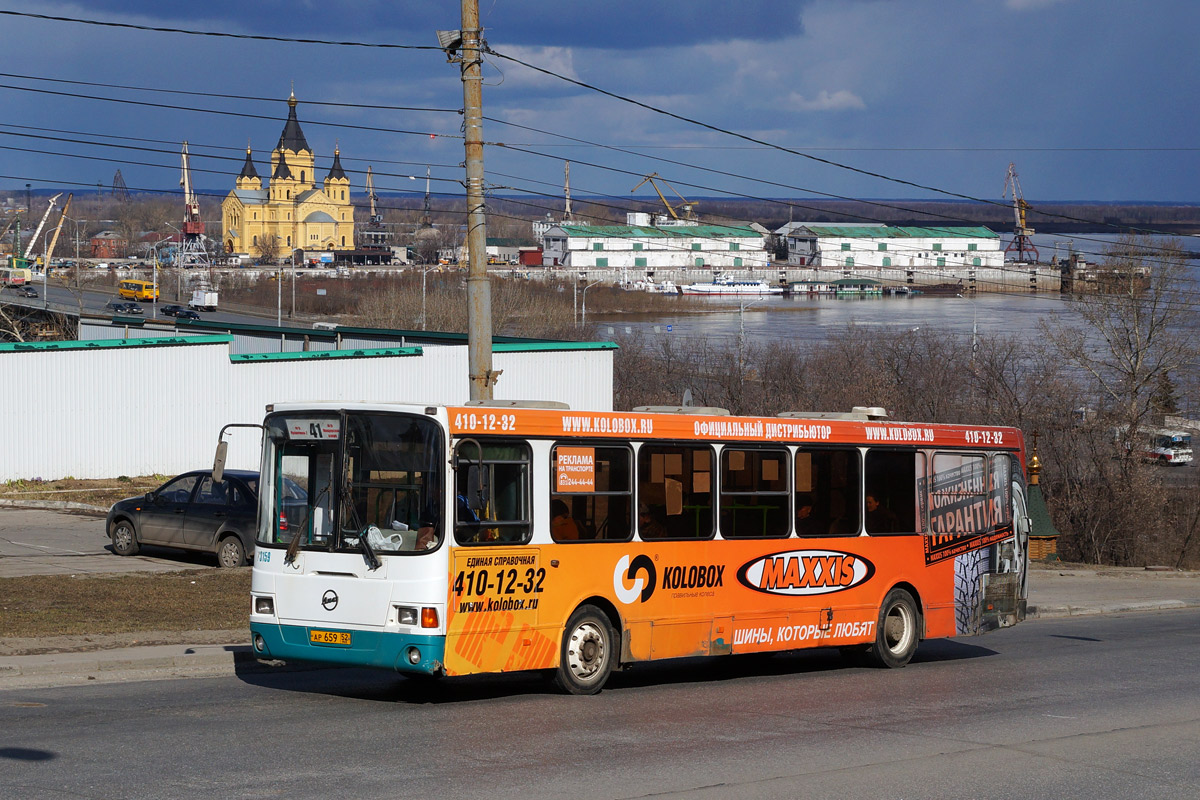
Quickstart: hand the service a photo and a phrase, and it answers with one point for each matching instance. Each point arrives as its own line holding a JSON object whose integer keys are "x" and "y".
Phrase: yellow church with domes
{"x": 291, "y": 213}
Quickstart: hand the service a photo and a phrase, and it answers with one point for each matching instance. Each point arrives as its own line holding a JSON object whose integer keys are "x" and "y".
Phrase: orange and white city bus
{"x": 477, "y": 539}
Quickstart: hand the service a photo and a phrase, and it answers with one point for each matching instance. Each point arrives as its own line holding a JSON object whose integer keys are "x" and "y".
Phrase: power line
{"x": 218, "y": 34}
{"x": 239, "y": 114}
{"x": 331, "y": 103}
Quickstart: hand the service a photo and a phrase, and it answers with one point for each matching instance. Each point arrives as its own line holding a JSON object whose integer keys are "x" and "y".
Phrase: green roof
{"x": 549, "y": 347}
{"x": 309, "y": 355}
{"x": 876, "y": 232}
{"x": 666, "y": 232}
{"x": 328, "y": 334}
{"x": 1039, "y": 515}
{"x": 113, "y": 344}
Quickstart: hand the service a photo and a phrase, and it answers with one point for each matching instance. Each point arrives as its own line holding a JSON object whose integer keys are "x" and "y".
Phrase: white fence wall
{"x": 129, "y": 408}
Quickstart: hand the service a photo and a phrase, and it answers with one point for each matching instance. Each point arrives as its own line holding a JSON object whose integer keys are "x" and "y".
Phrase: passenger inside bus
{"x": 879, "y": 518}
{"x": 563, "y": 528}
{"x": 648, "y": 526}
{"x": 807, "y": 522}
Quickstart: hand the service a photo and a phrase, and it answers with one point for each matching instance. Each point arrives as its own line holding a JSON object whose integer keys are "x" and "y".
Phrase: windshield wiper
{"x": 294, "y": 545}
{"x": 373, "y": 562}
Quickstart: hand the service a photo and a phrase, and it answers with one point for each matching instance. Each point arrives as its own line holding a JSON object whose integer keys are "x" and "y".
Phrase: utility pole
{"x": 479, "y": 290}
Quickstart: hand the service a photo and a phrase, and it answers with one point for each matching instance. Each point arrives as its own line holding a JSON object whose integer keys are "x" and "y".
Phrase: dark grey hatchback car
{"x": 191, "y": 512}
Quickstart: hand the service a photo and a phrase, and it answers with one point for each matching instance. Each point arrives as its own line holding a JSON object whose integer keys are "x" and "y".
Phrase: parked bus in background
{"x": 142, "y": 291}
{"x": 424, "y": 543}
{"x": 1168, "y": 446}
{"x": 15, "y": 276}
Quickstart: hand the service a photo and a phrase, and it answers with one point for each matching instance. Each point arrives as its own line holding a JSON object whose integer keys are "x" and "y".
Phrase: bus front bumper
{"x": 402, "y": 652}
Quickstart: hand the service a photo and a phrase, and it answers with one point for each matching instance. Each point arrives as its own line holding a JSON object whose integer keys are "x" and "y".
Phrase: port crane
{"x": 62, "y": 217}
{"x": 192, "y": 252}
{"x": 1021, "y": 244}
{"x": 374, "y": 235}
{"x": 33, "y": 239}
{"x": 686, "y": 206}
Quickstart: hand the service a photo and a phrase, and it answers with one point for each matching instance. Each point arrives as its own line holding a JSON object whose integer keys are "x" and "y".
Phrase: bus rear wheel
{"x": 587, "y": 654}
{"x": 898, "y": 631}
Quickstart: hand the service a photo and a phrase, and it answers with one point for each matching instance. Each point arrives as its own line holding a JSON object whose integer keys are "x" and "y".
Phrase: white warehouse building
{"x": 106, "y": 408}
{"x": 873, "y": 247}
{"x": 640, "y": 245}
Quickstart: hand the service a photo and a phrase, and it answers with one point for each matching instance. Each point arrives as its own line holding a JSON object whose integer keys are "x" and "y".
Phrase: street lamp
{"x": 742, "y": 327}
{"x": 178, "y": 271}
{"x": 424, "y": 272}
{"x": 974, "y": 325}
{"x": 583, "y": 320}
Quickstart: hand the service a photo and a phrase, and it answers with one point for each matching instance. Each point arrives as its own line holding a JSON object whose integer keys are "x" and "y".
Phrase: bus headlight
{"x": 406, "y": 615}
{"x": 414, "y": 655}
{"x": 264, "y": 605}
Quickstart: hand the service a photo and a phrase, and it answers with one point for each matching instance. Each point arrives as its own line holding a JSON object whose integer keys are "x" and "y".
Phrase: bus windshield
{"x": 333, "y": 480}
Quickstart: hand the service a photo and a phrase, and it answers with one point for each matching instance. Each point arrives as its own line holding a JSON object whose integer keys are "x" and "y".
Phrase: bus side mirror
{"x": 477, "y": 487}
{"x": 218, "y": 470}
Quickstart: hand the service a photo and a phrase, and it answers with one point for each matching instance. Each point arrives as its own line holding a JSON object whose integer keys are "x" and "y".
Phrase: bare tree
{"x": 269, "y": 248}
{"x": 1134, "y": 331}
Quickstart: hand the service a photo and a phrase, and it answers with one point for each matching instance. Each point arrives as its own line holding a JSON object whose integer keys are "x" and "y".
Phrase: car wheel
{"x": 230, "y": 552}
{"x": 588, "y": 653}
{"x": 898, "y": 631}
{"x": 124, "y": 538}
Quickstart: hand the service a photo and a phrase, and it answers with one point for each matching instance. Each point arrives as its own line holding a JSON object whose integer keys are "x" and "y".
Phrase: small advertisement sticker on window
{"x": 317, "y": 429}
{"x": 576, "y": 470}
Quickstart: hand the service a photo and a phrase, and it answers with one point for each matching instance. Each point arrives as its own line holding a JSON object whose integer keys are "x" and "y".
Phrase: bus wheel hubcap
{"x": 586, "y": 652}
{"x": 897, "y": 629}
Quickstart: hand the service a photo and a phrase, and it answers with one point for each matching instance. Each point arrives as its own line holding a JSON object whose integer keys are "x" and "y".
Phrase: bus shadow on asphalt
{"x": 387, "y": 687}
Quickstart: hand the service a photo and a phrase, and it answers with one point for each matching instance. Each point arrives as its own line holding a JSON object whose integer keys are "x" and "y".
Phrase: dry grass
{"x": 55, "y": 605}
{"x": 102, "y": 492}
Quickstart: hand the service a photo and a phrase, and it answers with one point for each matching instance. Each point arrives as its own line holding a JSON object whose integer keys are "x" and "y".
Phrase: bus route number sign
{"x": 314, "y": 429}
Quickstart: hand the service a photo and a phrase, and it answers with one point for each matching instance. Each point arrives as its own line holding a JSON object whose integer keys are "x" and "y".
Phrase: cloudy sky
{"x": 1092, "y": 99}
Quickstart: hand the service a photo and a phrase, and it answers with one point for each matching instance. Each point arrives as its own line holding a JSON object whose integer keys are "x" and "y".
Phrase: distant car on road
{"x": 119, "y": 307}
{"x": 192, "y": 512}
{"x": 187, "y": 313}
{"x": 25, "y": 291}
{"x": 171, "y": 310}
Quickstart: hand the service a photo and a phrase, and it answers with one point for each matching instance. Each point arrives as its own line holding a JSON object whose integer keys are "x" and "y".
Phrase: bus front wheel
{"x": 586, "y": 658}
{"x": 898, "y": 631}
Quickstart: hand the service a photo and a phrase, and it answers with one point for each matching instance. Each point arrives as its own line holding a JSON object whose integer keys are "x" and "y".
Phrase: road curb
{"x": 53, "y": 505}
{"x": 1091, "y": 609}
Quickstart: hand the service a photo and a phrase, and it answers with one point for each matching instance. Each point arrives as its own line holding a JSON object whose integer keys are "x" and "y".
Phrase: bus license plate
{"x": 330, "y": 637}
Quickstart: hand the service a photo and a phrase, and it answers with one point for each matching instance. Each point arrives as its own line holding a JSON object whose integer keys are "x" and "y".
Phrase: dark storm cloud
{"x": 605, "y": 24}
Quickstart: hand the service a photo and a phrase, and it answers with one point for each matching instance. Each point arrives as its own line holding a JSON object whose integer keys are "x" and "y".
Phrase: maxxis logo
{"x": 805, "y": 572}
{"x": 628, "y": 570}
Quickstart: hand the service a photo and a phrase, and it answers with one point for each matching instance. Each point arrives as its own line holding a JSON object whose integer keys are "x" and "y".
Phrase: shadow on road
{"x": 383, "y": 686}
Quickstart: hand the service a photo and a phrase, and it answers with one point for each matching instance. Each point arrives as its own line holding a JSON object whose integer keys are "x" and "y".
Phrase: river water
{"x": 814, "y": 318}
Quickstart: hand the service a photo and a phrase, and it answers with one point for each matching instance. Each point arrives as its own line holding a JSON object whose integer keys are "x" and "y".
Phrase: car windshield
{"x": 337, "y": 481}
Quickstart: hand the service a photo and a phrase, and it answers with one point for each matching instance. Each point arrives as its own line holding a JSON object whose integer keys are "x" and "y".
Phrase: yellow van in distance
{"x": 143, "y": 291}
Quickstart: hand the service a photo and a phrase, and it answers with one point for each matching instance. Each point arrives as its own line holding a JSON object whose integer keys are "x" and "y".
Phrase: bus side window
{"x": 494, "y": 507}
{"x": 890, "y": 497}
{"x": 754, "y": 494}
{"x": 592, "y": 494}
{"x": 960, "y": 501}
{"x": 826, "y": 485}
{"x": 675, "y": 489}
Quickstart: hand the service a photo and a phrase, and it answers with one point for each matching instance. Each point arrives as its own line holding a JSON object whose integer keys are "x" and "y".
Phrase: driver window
{"x": 178, "y": 490}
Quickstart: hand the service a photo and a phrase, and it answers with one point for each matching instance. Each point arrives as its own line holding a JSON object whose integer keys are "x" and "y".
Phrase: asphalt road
{"x": 38, "y": 542}
{"x": 61, "y": 298}
{"x": 1097, "y": 707}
